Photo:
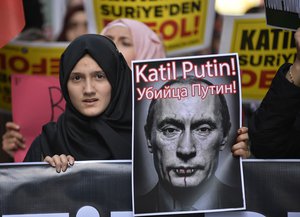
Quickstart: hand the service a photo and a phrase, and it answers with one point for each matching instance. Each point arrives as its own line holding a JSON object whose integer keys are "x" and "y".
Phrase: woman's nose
{"x": 89, "y": 87}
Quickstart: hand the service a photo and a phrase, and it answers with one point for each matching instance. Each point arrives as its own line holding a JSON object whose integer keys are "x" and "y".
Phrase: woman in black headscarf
{"x": 79, "y": 133}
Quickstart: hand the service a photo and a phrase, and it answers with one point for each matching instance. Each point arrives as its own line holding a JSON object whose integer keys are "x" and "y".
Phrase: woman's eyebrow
{"x": 122, "y": 37}
{"x": 76, "y": 73}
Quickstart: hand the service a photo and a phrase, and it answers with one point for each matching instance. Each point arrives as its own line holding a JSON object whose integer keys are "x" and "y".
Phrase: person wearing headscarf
{"x": 134, "y": 39}
{"x": 79, "y": 133}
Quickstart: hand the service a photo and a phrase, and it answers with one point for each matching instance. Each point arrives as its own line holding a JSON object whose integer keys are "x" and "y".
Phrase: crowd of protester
{"x": 131, "y": 42}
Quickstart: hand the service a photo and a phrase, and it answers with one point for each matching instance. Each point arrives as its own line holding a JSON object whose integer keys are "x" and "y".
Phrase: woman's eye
{"x": 76, "y": 78}
{"x": 127, "y": 44}
{"x": 100, "y": 75}
{"x": 72, "y": 25}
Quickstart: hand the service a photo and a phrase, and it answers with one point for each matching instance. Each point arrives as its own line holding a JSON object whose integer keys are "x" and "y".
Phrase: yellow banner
{"x": 183, "y": 24}
{"x": 26, "y": 58}
{"x": 262, "y": 49}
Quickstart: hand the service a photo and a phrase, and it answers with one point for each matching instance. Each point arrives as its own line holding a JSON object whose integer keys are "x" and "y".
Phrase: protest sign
{"x": 32, "y": 58}
{"x": 87, "y": 189}
{"x": 184, "y": 25}
{"x": 261, "y": 50}
{"x": 103, "y": 188}
{"x": 36, "y": 100}
{"x": 181, "y": 106}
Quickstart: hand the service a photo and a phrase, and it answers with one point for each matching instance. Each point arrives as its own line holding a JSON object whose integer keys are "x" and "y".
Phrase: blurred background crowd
{"x": 64, "y": 20}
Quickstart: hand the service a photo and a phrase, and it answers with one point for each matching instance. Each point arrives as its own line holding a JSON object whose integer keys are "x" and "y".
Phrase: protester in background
{"x": 74, "y": 3}
{"x": 275, "y": 126}
{"x": 75, "y": 24}
{"x": 135, "y": 40}
{"x": 96, "y": 124}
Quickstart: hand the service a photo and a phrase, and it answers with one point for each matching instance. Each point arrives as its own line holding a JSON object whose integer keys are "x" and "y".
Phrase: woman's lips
{"x": 90, "y": 101}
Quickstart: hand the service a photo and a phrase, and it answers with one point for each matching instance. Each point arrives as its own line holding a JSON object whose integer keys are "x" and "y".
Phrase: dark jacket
{"x": 274, "y": 129}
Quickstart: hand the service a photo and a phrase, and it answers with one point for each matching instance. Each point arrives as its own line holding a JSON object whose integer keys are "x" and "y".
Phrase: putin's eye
{"x": 204, "y": 129}
{"x": 170, "y": 131}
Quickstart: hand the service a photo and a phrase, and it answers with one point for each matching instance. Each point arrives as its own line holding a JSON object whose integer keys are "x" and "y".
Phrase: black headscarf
{"x": 106, "y": 136}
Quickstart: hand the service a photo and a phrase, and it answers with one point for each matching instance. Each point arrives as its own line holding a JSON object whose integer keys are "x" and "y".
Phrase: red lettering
{"x": 54, "y": 68}
{"x": 197, "y": 20}
{"x": 169, "y": 28}
{"x": 172, "y": 25}
{"x": 248, "y": 78}
{"x": 40, "y": 68}
{"x": 106, "y": 21}
{"x": 184, "y": 31}
{"x": 266, "y": 78}
{"x": 18, "y": 64}
{"x": 152, "y": 25}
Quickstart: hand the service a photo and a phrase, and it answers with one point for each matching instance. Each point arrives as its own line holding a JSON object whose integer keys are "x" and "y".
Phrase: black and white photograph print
{"x": 186, "y": 115}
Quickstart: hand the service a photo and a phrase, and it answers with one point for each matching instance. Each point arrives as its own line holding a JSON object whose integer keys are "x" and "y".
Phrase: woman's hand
{"x": 60, "y": 162}
{"x": 12, "y": 139}
{"x": 241, "y": 147}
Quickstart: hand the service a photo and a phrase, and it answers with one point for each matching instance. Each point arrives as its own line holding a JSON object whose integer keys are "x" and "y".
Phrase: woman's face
{"x": 123, "y": 39}
{"x": 88, "y": 87}
{"x": 77, "y": 25}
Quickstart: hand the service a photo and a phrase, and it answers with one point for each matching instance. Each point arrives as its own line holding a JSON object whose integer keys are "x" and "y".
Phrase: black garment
{"x": 33, "y": 14}
{"x": 216, "y": 195}
{"x": 107, "y": 136}
{"x": 274, "y": 129}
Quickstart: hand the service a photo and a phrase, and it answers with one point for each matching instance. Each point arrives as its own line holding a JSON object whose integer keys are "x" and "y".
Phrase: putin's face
{"x": 186, "y": 138}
